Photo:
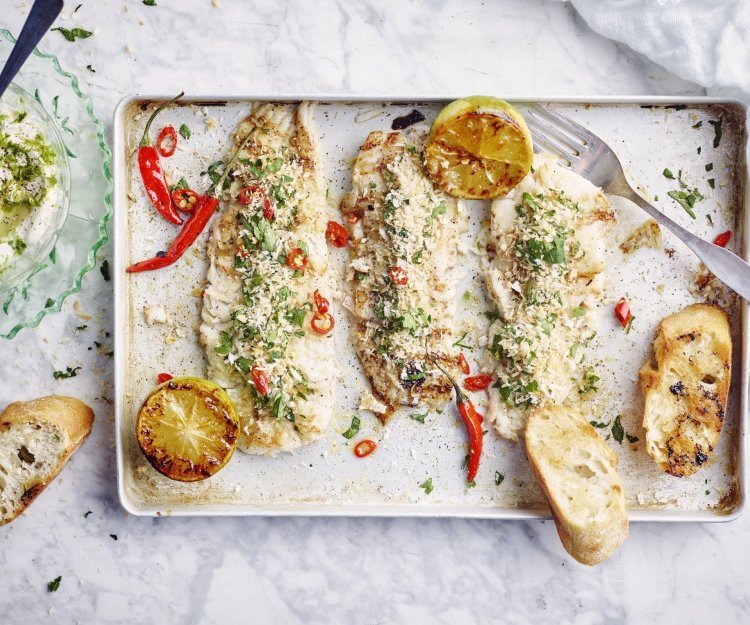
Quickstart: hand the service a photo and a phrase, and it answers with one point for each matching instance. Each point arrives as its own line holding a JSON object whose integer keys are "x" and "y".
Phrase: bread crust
{"x": 592, "y": 538}
{"x": 68, "y": 414}
{"x": 687, "y": 387}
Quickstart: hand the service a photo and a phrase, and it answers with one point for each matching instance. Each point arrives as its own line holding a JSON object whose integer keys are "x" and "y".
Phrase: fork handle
{"x": 725, "y": 265}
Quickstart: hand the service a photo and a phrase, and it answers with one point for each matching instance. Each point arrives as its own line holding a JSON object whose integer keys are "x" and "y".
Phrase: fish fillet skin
{"x": 256, "y": 310}
{"x": 408, "y": 228}
{"x": 536, "y": 348}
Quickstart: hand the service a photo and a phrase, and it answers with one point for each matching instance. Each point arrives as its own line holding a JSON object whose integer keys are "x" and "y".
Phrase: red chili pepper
{"x": 364, "y": 448}
{"x": 321, "y": 303}
{"x": 336, "y": 234}
{"x": 478, "y": 382}
{"x": 462, "y": 362}
{"x": 296, "y": 259}
{"x": 163, "y": 377}
{"x": 472, "y": 422}
{"x": 169, "y": 136}
{"x": 622, "y": 312}
{"x": 722, "y": 239}
{"x": 185, "y": 199}
{"x": 261, "y": 380}
{"x": 253, "y": 192}
{"x": 322, "y": 323}
{"x": 204, "y": 210}
{"x": 399, "y": 276}
{"x": 152, "y": 174}
{"x": 353, "y": 218}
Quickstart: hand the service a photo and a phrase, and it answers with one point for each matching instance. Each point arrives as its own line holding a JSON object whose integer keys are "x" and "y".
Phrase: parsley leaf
{"x": 419, "y": 417}
{"x": 184, "y": 131}
{"x": 499, "y": 477}
{"x": 54, "y": 584}
{"x": 427, "y": 485}
{"x": 105, "y": 270}
{"x": 668, "y": 174}
{"x": 225, "y": 346}
{"x": 75, "y": 33}
{"x": 618, "y": 432}
{"x": 686, "y": 200}
{"x": 717, "y": 130}
{"x": 353, "y": 428}
{"x": 149, "y": 3}
{"x": 68, "y": 373}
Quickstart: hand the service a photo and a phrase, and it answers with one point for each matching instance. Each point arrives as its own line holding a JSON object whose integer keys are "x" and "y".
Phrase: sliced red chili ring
{"x": 321, "y": 303}
{"x": 722, "y": 239}
{"x": 622, "y": 312}
{"x": 364, "y": 448}
{"x": 296, "y": 259}
{"x": 163, "y": 377}
{"x": 261, "y": 380}
{"x": 336, "y": 234}
{"x": 399, "y": 276}
{"x": 353, "y": 218}
{"x": 185, "y": 199}
{"x": 322, "y": 323}
{"x": 166, "y": 142}
{"x": 477, "y": 382}
{"x": 463, "y": 364}
{"x": 253, "y": 192}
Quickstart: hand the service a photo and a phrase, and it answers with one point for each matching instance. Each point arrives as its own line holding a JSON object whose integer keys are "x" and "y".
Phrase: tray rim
{"x": 412, "y": 510}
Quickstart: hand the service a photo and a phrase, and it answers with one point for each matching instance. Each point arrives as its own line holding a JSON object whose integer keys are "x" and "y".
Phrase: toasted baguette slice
{"x": 577, "y": 472}
{"x": 36, "y": 440}
{"x": 686, "y": 389}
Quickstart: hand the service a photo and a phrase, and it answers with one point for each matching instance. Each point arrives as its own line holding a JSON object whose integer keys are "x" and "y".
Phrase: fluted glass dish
{"x": 60, "y": 271}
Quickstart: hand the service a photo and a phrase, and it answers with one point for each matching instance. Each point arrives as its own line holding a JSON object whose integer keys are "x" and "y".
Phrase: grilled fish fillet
{"x": 403, "y": 258}
{"x": 256, "y": 309}
{"x": 545, "y": 253}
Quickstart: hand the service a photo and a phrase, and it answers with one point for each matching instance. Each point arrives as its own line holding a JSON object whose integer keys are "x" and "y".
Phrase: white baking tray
{"x": 325, "y": 478}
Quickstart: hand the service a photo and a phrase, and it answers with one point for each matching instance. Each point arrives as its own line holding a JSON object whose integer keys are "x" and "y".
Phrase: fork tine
{"x": 541, "y": 143}
{"x": 551, "y": 144}
{"x": 564, "y": 123}
{"x": 556, "y": 135}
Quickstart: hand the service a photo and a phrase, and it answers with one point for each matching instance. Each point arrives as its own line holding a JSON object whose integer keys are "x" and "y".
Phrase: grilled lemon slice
{"x": 187, "y": 429}
{"x": 479, "y": 148}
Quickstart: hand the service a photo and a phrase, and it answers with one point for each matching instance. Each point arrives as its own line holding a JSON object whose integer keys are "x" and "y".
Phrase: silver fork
{"x": 586, "y": 154}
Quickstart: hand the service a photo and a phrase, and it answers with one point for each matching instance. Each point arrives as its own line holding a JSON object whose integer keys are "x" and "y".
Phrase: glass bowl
{"x": 43, "y": 228}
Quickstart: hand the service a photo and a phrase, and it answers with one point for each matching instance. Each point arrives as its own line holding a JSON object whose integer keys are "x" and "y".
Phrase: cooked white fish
{"x": 403, "y": 259}
{"x": 257, "y": 308}
{"x": 545, "y": 253}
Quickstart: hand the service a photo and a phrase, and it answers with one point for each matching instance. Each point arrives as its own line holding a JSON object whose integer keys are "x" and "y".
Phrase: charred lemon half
{"x": 479, "y": 148}
{"x": 187, "y": 429}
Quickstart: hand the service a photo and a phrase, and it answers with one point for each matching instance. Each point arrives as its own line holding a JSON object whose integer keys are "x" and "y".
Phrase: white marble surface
{"x": 326, "y": 570}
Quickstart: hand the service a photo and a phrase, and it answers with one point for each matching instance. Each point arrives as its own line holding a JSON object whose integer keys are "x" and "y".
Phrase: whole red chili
{"x": 364, "y": 448}
{"x": 166, "y": 142}
{"x": 152, "y": 174}
{"x": 472, "y": 422}
{"x": 477, "y": 382}
{"x": 336, "y": 234}
{"x": 204, "y": 210}
{"x": 185, "y": 199}
{"x": 722, "y": 239}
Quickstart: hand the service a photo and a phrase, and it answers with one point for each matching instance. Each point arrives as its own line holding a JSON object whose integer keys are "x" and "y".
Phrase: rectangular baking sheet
{"x": 324, "y": 478}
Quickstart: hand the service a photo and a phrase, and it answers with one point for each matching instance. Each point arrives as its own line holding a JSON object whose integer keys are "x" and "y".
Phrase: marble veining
{"x": 303, "y": 570}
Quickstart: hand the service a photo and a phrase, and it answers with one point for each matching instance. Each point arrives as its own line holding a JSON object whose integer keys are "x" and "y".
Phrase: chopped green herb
{"x": 91, "y": 69}
{"x": 710, "y": 219}
{"x": 105, "y": 270}
{"x": 225, "y": 346}
{"x": 599, "y": 424}
{"x": 18, "y": 246}
{"x": 471, "y": 484}
{"x": 86, "y": 516}
{"x": 419, "y": 417}
{"x": 461, "y": 344}
{"x": 710, "y": 167}
{"x": 181, "y": 184}
{"x": 75, "y": 33}
{"x": 578, "y": 311}
{"x": 78, "y": 7}
{"x": 185, "y": 131}
{"x": 697, "y": 125}
{"x": 427, "y": 485}
{"x": 49, "y": 302}
{"x": 686, "y": 200}
{"x": 149, "y": 3}
{"x": 631, "y": 439}
{"x": 668, "y": 174}
{"x": 54, "y": 584}
{"x": 499, "y": 477}
{"x": 618, "y": 432}
{"x": 353, "y": 428}
{"x": 712, "y": 183}
{"x": 68, "y": 373}
{"x": 699, "y": 149}
{"x": 717, "y": 130}
{"x": 373, "y": 185}
{"x": 630, "y": 324}
{"x": 467, "y": 296}
{"x": 573, "y": 349}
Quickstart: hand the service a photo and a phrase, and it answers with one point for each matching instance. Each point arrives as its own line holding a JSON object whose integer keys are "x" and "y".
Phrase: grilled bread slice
{"x": 36, "y": 440}
{"x": 577, "y": 472}
{"x": 686, "y": 388}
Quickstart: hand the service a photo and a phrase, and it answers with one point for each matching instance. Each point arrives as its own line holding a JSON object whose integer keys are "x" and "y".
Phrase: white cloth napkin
{"x": 705, "y": 41}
